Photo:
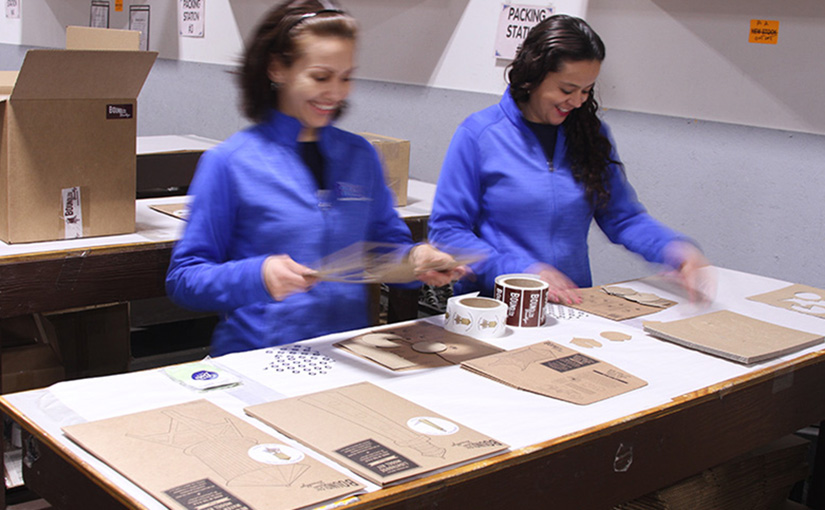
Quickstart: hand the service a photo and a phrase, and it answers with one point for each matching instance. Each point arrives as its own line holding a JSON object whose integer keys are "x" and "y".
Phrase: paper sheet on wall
{"x": 375, "y": 433}
{"x": 556, "y": 371}
{"x": 733, "y": 336}
{"x": 186, "y": 454}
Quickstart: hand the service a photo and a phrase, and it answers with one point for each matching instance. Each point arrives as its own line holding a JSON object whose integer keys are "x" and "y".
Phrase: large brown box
{"x": 70, "y": 125}
{"x": 395, "y": 157}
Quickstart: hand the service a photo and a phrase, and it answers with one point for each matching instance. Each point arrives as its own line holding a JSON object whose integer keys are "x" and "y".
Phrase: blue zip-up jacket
{"x": 255, "y": 197}
{"x": 498, "y": 194}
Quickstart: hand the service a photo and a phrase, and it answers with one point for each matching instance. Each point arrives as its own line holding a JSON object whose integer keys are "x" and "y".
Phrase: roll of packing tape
{"x": 525, "y": 296}
{"x": 478, "y": 317}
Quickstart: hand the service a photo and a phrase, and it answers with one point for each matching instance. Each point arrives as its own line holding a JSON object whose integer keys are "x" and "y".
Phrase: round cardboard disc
{"x": 429, "y": 347}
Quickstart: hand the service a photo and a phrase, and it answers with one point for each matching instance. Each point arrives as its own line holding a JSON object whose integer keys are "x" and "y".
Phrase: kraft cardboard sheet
{"x": 799, "y": 298}
{"x": 619, "y": 303}
{"x": 555, "y": 371}
{"x": 415, "y": 346}
{"x": 195, "y": 455}
{"x": 375, "y": 433}
{"x": 179, "y": 211}
{"x": 733, "y": 336}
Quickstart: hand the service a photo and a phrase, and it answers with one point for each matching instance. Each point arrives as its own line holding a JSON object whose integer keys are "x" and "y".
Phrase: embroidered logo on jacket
{"x": 351, "y": 192}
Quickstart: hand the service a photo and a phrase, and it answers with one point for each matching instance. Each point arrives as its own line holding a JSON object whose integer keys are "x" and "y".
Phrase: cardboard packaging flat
{"x": 67, "y": 138}
{"x": 375, "y": 433}
{"x": 395, "y": 347}
{"x": 395, "y": 157}
{"x": 191, "y": 454}
{"x": 555, "y": 371}
{"x": 733, "y": 336}
{"x": 597, "y": 301}
{"x": 799, "y": 298}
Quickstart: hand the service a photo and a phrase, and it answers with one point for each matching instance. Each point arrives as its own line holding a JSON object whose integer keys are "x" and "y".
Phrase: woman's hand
{"x": 693, "y": 270}
{"x": 434, "y": 267}
{"x": 283, "y": 276}
{"x": 562, "y": 289}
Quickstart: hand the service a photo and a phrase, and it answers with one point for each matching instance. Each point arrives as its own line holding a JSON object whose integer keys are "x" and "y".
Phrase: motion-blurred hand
{"x": 693, "y": 270}
{"x": 435, "y": 267}
{"x": 562, "y": 289}
{"x": 283, "y": 276}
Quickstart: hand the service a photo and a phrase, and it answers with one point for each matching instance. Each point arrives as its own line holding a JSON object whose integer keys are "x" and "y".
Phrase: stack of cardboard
{"x": 759, "y": 480}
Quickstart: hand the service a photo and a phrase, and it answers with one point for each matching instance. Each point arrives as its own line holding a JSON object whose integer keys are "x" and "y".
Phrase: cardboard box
{"x": 166, "y": 164}
{"x": 89, "y": 38}
{"x": 30, "y": 367}
{"x": 67, "y": 145}
{"x": 395, "y": 157}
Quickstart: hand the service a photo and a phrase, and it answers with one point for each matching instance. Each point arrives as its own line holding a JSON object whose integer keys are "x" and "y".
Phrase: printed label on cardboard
{"x": 205, "y": 495}
{"x": 72, "y": 213}
{"x": 376, "y": 457}
{"x": 119, "y": 111}
{"x": 569, "y": 362}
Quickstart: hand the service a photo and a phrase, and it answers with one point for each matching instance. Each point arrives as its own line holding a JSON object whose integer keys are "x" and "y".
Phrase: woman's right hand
{"x": 283, "y": 276}
{"x": 562, "y": 289}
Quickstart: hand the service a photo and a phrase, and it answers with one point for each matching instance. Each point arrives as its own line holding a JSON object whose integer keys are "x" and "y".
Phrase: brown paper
{"x": 555, "y": 371}
{"x": 395, "y": 348}
{"x": 180, "y": 211}
{"x": 799, "y": 298}
{"x": 375, "y": 433}
{"x": 598, "y": 302}
{"x": 185, "y": 454}
{"x": 733, "y": 336}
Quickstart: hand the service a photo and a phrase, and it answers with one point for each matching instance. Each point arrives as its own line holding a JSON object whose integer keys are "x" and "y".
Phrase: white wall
{"x": 440, "y": 43}
{"x": 693, "y": 59}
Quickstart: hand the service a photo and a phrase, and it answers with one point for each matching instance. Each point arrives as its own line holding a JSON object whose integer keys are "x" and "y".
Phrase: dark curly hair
{"x": 549, "y": 45}
{"x": 275, "y": 37}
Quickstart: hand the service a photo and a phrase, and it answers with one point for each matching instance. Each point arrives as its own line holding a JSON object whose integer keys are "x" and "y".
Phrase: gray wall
{"x": 750, "y": 196}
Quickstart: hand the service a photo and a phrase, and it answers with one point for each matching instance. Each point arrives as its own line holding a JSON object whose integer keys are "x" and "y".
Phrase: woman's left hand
{"x": 434, "y": 267}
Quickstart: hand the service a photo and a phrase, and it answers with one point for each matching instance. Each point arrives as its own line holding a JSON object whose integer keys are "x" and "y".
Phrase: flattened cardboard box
{"x": 375, "y": 433}
{"x": 396, "y": 348}
{"x": 189, "y": 455}
{"x": 556, "y": 371}
{"x": 67, "y": 139}
{"x": 395, "y": 158}
{"x": 733, "y": 336}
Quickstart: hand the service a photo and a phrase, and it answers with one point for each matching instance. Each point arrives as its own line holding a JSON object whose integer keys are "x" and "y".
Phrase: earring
{"x": 273, "y": 85}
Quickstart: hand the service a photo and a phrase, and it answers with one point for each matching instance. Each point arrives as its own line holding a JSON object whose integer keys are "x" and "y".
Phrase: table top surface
{"x": 155, "y": 228}
{"x": 521, "y": 419}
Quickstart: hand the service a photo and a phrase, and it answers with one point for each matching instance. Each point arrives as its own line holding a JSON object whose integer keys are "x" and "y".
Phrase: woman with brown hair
{"x": 522, "y": 180}
{"x": 287, "y": 192}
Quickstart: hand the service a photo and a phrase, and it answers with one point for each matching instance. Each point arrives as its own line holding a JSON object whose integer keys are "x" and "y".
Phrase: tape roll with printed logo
{"x": 525, "y": 297}
{"x": 478, "y": 317}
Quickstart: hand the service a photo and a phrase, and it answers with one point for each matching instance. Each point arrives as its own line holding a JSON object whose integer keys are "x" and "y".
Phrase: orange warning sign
{"x": 764, "y": 31}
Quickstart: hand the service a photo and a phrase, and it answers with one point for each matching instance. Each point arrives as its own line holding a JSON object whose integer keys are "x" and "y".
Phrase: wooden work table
{"x": 696, "y": 412}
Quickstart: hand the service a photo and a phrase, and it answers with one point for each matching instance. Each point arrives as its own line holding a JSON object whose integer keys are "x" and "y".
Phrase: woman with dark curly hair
{"x": 287, "y": 192}
{"x": 522, "y": 180}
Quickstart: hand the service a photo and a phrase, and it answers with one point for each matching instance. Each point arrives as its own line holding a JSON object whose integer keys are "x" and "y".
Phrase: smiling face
{"x": 313, "y": 88}
{"x": 561, "y": 92}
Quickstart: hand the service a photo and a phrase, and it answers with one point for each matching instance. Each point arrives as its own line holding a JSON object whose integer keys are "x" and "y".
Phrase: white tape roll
{"x": 525, "y": 296}
{"x": 478, "y": 317}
